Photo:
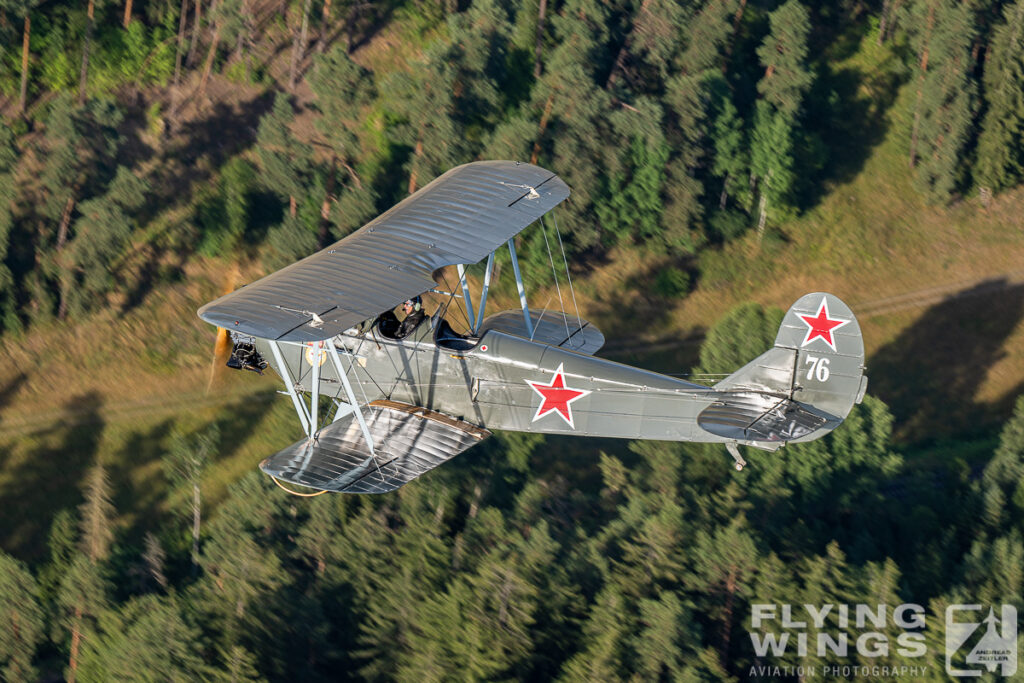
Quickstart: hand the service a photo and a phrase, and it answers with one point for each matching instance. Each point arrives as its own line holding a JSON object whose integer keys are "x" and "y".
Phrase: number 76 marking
{"x": 818, "y": 368}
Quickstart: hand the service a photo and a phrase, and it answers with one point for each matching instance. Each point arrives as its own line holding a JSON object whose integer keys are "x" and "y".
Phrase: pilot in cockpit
{"x": 391, "y": 327}
{"x": 414, "y": 315}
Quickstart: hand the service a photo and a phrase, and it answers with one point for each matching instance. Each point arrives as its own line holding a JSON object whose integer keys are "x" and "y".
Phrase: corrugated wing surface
{"x": 549, "y": 327}
{"x": 460, "y": 217}
{"x": 409, "y": 441}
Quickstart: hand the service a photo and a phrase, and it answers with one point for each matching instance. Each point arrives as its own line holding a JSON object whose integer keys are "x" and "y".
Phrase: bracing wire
{"x": 469, "y": 325}
{"x": 568, "y": 277}
{"x": 558, "y": 288}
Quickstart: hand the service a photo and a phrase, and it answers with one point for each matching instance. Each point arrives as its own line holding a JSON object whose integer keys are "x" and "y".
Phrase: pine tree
{"x": 344, "y": 92}
{"x": 606, "y": 633}
{"x": 238, "y": 571}
{"x": 81, "y": 142}
{"x": 425, "y": 107}
{"x": 946, "y": 102}
{"x": 97, "y": 515}
{"x": 83, "y": 591}
{"x": 691, "y": 94}
{"x": 726, "y": 564}
{"x": 84, "y": 595}
{"x": 1000, "y": 161}
{"x": 783, "y": 55}
{"x": 731, "y": 162}
{"x": 145, "y": 640}
{"x": 8, "y": 192}
{"x": 184, "y": 465}
{"x": 633, "y": 204}
{"x": 284, "y": 161}
{"x": 24, "y": 8}
{"x": 22, "y": 618}
{"x": 1002, "y": 483}
{"x": 665, "y": 642}
{"x": 786, "y": 79}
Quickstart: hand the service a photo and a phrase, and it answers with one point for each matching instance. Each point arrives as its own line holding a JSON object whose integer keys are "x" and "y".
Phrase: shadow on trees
{"x": 133, "y": 151}
{"x": 930, "y": 375}
{"x": 209, "y": 141}
{"x": 10, "y": 389}
{"x": 48, "y": 478}
{"x": 847, "y": 117}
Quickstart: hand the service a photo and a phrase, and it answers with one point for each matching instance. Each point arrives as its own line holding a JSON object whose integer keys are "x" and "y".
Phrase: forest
{"x": 156, "y": 153}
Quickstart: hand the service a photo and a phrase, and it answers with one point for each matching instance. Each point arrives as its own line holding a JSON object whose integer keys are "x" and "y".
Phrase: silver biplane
{"x": 400, "y": 398}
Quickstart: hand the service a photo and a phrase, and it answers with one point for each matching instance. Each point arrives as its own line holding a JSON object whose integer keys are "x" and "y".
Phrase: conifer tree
{"x": 425, "y": 105}
{"x": 946, "y": 101}
{"x": 606, "y": 633}
{"x": 22, "y": 618}
{"x": 97, "y": 516}
{"x": 185, "y": 465}
{"x": 284, "y": 161}
{"x": 84, "y": 590}
{"x": 1002, "y": 483}
{"x": 146, "y": 639}
{"x": 344, "y": 92}
{"x": 8, "y": 192}
{"x": 81, "y": 142}
{"x": 84, "y": 595}
{"x": 730, "y": 162}
{"x": 24, "y": 8}
{"x": 1001, "y": 142}
{"x": 691, "y": 94}
{"x": 782, "y": 88}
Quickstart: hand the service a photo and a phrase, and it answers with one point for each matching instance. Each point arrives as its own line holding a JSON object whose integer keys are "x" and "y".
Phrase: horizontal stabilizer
{"x": 549, "y": 327}
{"x": 756, "y": 417}
{"x": 409, "y": 441}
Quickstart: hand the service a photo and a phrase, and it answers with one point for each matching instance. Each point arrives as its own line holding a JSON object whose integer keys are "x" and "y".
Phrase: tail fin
{"x": 804, "y": 386}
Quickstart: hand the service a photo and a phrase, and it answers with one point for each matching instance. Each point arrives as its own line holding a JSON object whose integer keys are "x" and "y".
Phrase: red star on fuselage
{"x": 556, "y": 397}
{"x": 821, "y": 326}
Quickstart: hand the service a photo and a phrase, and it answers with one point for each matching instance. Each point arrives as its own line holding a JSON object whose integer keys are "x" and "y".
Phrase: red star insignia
{"x": 556, "y": 397}
{"x": 821, "y": 326}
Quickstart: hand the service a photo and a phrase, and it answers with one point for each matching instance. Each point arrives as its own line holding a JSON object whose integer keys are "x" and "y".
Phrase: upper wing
{"x": 460, "y": 217}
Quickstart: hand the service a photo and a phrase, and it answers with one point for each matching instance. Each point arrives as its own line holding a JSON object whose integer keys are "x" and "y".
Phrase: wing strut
{"x": 483, "y": 292}
{"x": 465, "y": 297}
{"x": 354, "y": 405}
{"x": 289, "y": 384}
{"x": 519, "y": 285}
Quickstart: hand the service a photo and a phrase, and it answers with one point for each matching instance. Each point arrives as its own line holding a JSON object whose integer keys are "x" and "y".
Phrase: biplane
{"x": 380, "y": 406}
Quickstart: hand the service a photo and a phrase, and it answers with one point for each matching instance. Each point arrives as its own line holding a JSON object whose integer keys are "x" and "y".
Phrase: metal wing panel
{"x": 409, "y": 441}
{"x": 549, "y": 327}
{"x": 460, "y": 217}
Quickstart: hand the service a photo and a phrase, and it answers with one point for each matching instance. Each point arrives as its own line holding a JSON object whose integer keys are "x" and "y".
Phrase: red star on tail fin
{"x": 821, "y": 326}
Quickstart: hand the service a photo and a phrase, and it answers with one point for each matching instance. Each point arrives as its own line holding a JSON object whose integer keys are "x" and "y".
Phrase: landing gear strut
{"x": 734, "y": 451}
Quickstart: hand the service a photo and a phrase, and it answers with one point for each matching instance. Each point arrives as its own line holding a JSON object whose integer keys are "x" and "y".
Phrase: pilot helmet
{"x": 416, "y": 302}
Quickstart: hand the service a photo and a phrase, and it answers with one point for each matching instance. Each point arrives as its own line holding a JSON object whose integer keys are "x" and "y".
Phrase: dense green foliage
{"x": 138, "y": 138}
{"x": 677, "y": 125}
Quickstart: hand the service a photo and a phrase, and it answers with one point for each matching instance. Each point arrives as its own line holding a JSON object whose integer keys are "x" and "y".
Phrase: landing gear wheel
{"x": 734, "y": 451}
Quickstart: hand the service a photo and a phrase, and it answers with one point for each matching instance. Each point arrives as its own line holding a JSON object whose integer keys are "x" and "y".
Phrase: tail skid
{"x": 800, "y": 389}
